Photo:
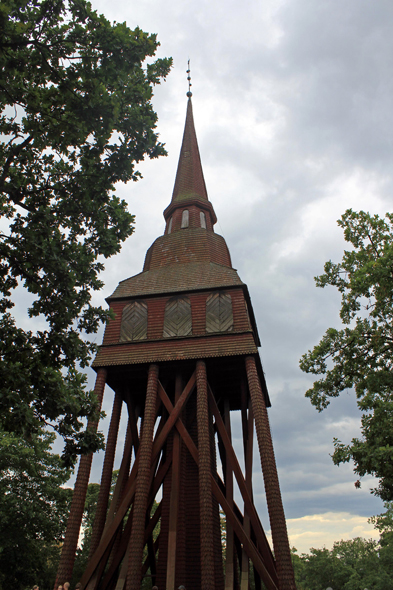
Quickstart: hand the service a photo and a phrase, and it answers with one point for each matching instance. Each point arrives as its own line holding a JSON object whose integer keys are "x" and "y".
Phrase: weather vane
{"x": 189, "y": 93}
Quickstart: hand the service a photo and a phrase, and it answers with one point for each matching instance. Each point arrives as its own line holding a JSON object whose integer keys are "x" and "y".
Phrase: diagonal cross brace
{"x": 269, "y": 575}
{"x": 231, "y": 457}
{"x": 161, "y": 436}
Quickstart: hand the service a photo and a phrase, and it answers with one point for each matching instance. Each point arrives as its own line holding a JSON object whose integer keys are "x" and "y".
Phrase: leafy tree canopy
{"x": 33, "y": 510}
{"x": 355, "y": 564}
{"x": 75, "y": 118}
{"x": 361, "y": 354}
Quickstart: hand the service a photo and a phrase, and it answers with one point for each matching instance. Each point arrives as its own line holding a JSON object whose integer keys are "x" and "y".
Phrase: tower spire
{"x": 189, "y": 182}
{"x": 181, "y": 351}
{"x": 189, "y": 93}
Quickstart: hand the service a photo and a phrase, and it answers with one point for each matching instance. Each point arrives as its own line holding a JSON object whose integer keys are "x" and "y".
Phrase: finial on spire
{"x": 189, "y": 93}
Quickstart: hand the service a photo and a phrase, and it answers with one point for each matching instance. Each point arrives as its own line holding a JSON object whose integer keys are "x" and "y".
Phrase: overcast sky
{"x": 293, "y": 109}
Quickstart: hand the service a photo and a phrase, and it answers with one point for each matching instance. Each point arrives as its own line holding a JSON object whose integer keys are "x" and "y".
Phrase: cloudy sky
{"x": 293, "y": 108}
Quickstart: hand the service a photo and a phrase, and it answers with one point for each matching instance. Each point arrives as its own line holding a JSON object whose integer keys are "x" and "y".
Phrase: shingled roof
{"x": 189, "y": 178}
{"x": 189, "y": 183}
{"x": 170, "y": 350}
{"x": 177, "y": 278}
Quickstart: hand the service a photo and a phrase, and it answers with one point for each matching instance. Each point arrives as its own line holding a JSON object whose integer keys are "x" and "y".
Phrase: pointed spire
{"x": 189, "y": 182}
{"x": 189, "y": 93}
{"x": 189, "y": 191}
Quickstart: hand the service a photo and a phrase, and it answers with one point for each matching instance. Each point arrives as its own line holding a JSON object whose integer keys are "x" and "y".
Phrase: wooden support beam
{"x": 205, "y": 476}
{"x": 114, "y": 519}
{"x": 250, "y": 449}
{"x": 146, "y": 565}
{"x": 95, "y": 579}
{"x": 122, "y": 579}
{"x": 124, "y": 544}
{"x": 132, "y": 419}
{"x": 272, "y": 488}
{"x": 263, "y": 568}
{"x": 271, "y": 582}
{"x": 107, "y": 537}
{"x": 174, "y": 500}
{"x": 119, "y": 489}
{"x": 127, "y": 497}
{"x": 245, "y": 564}
{"x": 244, "y": 407}
{"x": 230, "y": 548}
{"x": 74, "y": 522}
{"x": 178, "y": 423}
{"x": 122, "y": 477}
{"x": 106, "y": 477}
{"x": 142, "y": 481}
{"x": 174, "y": 412}
{"x": 153, "y": 521}
{"x": 231, "y": 456}
{"x": 265, "y": 565}
{"x": 151, "y": 558}
{"x": 248, "y": 436}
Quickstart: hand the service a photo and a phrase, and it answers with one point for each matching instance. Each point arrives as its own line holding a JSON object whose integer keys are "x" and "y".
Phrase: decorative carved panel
{"x": 134, "y": 322}
{"x": 219, "y": 314}
{"x": 177, "y": 319}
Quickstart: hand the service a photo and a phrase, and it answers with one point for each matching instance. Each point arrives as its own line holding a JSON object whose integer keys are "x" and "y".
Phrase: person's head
{"x": 60, "y": 587}
{"x": 66, "y": 585}
{"x": 181, "y": 587}
{"x": 155, "y": 588}
{"x": 78, "y": 586}
{"x": 36, "y": 587}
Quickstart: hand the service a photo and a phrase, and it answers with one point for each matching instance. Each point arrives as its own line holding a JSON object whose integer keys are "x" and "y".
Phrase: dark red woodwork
{"x": 68, "y": 552}
{"x": 180, "y": 392}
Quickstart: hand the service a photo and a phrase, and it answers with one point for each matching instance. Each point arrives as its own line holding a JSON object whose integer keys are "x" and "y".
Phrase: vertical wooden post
{"x": 142, "y": 482}
{"x": 67, "y": 558}
{"x": 118, "y": 491}
{"x": 106, "y": 477}
{"x": 205, "y": 491}
{"x": 174, "y": 500}
{"x": 230, "y": 548}
{"x": 270, "y": 477}
{"x": 132, "y": 420}
{"x": 248, "y": 450}
{"x": 122, "y": 478}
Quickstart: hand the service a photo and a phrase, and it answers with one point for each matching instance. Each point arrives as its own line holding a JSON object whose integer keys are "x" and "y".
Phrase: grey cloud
{"x": 291, "y": 100}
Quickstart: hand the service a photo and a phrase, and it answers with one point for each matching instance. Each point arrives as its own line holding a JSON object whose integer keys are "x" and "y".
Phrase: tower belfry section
{"x": 181, "y": 355}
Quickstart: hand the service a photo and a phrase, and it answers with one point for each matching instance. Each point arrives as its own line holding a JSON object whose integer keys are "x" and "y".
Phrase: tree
{"x": 299, "y": 565}
{"x": 75, "y": 118}
{"x": 361, "y": 354}
{"x": 33, "y": 510}
{"x": 350, "y": 565}
{"x": 384, "y": 524}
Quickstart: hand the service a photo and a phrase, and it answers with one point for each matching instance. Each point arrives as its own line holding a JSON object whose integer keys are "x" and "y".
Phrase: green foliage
{"x": 75, "y": 118}
{"x": 360, "y": 355}
{"x": 350, "y": 565}
{"x": 384, "y": 522}
{"x": 33, "y": 510}
{"x": 298, "y": 563}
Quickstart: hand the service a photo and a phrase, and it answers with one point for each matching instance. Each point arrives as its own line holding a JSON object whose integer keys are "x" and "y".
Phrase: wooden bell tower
{"x": 182, "y": 354}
